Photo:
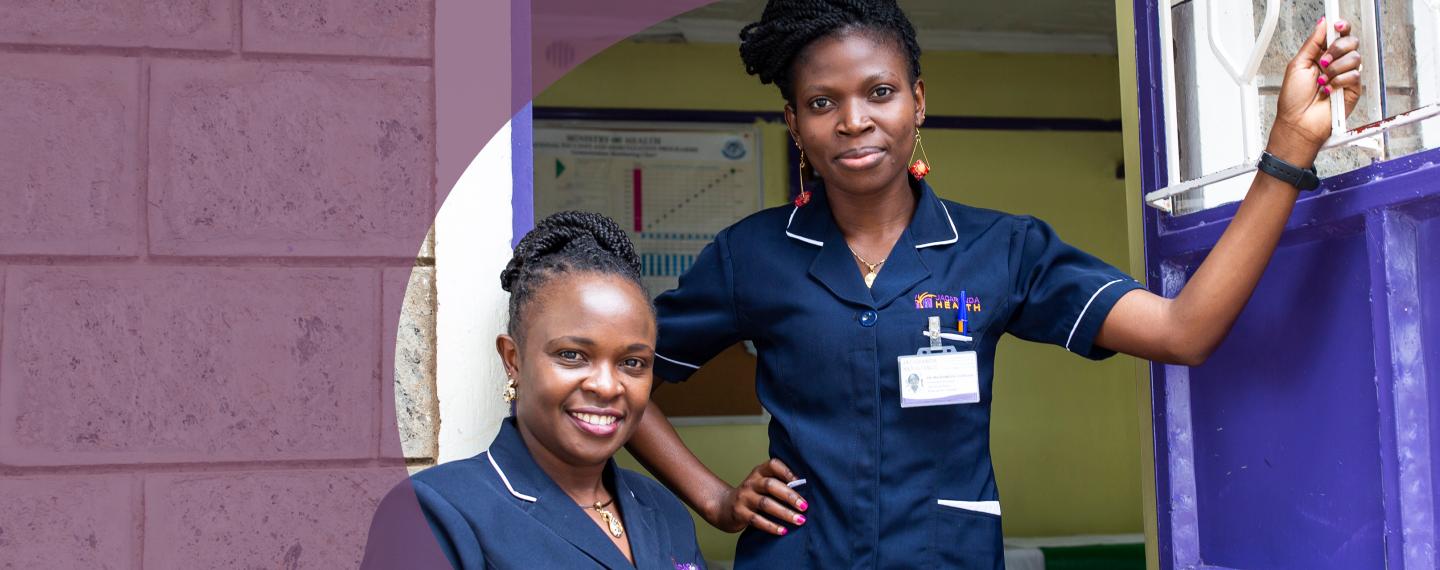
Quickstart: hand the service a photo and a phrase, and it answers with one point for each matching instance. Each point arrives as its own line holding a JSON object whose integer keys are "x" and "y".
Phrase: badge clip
{"x": 935, "y": 335}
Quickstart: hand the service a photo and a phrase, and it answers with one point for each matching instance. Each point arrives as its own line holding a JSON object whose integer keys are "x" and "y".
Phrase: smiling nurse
{"x": 871, "y": 266}
{"x": 547, "y": 493}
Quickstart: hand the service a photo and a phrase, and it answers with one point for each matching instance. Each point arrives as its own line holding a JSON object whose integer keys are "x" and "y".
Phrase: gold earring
{"x": 803, "y": 197}
{"x": 919, "y": 168}
{"x": 509, "y": 395}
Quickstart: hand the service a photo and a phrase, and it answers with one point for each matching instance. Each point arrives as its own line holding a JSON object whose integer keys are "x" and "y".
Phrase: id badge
{"x": 939, "y": 375}
{"x": 939, "y": 379}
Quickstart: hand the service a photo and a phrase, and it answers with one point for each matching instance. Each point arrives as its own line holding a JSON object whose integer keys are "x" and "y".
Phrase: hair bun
{"x": 570, "y": 231}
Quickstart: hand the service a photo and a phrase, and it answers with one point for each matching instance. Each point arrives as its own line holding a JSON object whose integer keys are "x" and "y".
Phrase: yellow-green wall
{"x": 1130, "y": 117}
{"x": 1065, "y": 429}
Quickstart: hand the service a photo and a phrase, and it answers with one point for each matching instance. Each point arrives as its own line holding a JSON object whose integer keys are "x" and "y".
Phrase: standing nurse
{"x": 881, "y": 456}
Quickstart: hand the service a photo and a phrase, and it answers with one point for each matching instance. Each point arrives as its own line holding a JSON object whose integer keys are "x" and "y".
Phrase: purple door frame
{"x": 1305, "y": 441}
{"x": 522, "y": 132}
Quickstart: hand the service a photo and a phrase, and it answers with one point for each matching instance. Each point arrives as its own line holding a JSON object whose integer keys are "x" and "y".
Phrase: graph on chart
{"x": 672, "y": 190}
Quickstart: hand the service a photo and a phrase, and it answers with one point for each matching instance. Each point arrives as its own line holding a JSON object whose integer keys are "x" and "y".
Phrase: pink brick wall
{"x": 206, "y": 210}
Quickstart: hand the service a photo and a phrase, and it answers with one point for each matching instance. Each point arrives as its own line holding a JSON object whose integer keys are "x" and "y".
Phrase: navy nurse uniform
{"x": 888, "y": 487}
{"x": 499, "y": 510}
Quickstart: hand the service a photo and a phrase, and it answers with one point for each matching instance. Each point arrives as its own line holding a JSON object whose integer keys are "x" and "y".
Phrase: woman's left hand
{"x": 1302, "y": 113}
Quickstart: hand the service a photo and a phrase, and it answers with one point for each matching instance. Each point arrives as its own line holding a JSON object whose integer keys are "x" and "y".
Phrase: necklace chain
{"x": 872, "y": 269}
{"x": 872, "y": 266}
{"x": 617, "y": 530}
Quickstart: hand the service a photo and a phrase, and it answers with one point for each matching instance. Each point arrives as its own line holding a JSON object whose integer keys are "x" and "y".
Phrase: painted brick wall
{"x": 209, "y": 212}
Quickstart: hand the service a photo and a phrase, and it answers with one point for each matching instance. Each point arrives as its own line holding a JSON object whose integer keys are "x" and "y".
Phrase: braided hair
{"x": 566, "y": 242}
{"x": 770, "y": 46}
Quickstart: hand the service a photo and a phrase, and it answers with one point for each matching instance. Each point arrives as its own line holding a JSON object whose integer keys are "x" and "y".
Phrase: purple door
{"x": 1305, "y": 441}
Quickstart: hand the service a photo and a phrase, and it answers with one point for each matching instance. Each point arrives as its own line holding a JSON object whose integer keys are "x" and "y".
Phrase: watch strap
{"x": 1300, "y": 178}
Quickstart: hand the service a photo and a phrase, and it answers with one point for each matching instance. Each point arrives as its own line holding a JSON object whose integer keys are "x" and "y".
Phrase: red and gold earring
{"x": 803, "y": 197}
{"x": 919, "y": 167}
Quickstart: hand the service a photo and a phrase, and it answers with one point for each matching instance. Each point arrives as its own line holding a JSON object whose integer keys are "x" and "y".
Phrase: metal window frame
{"x": 1162, "y": 198}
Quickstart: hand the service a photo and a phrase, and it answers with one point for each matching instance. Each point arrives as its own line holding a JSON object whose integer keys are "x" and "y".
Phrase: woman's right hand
{"x": 762, "y": 499}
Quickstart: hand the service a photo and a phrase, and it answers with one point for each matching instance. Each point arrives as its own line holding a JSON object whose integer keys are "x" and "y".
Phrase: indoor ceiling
{"x": 1029, "y": 26}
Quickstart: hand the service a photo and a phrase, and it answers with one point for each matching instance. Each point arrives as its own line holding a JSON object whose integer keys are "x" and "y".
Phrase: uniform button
{"x": 868, "y": 318}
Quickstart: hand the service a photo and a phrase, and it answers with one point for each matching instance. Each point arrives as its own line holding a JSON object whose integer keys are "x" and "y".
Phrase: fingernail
{"x": 804, "y": 506}
{"x": 1321, "y": 80}
{"x": 1324, "y": 62}
{"x": 1340, "y": 26}
{"x": 799, "y": 519}
{"x": 1320, "y": 21}
{"x": 783, "y": 532}
{"x": 1327, "y": 89}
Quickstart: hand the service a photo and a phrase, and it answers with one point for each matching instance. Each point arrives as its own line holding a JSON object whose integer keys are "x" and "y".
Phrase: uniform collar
{"x": 538, "y": 495}
{"x": 834, "y": 265}
{"x": 930, "y": 226}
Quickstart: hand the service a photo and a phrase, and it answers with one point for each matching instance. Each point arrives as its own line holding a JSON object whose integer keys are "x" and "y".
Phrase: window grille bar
{"x": 1160, "y": 199}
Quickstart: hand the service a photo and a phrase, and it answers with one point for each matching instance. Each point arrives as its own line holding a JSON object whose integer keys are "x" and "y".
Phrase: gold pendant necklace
{"x": 872, "y": 269}
{"x": 611, "y": 520}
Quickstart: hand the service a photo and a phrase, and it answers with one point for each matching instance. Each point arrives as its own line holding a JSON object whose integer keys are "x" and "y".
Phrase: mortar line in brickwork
{"x": 238, "y": 10}
{"x": 138, "y": 493}
{"x": 143, "y": 239}
{"x": 434, "y": 151}
{"x": 434, "y": 124}
{"x": 117, "y": 51}
{"x": 200, "y": 262}
{"x": 182, "y": 468}
{"x": 319, "y": 262}
{"x": 4, "y": 276}
{"x": 378, "y": 442}
{"x": 62, "y": 260}
{"x": 287, "y": 57}
{"x": 213, "y": 55}
{"x": 434, "y": 370}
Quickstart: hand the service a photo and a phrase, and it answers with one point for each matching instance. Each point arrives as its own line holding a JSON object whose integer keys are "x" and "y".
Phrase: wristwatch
{"x": 1301, "y": 178}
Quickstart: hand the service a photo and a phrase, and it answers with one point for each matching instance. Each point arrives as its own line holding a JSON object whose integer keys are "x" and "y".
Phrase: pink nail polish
{"x": 1327, "y": 89}
{"x": 799, "y": 519}
{"x": 1321, "y": 80}
{"x": 1324, "y": 62}
{"x": 783, "y": 532}
{"x": 804, "y": 506}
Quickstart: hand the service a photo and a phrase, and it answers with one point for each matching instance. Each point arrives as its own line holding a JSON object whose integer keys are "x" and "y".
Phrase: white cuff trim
{"x": 1076, "y": 326}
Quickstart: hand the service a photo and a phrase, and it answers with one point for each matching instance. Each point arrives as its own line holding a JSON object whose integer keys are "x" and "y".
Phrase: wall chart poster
{"x": 673, "y": 189}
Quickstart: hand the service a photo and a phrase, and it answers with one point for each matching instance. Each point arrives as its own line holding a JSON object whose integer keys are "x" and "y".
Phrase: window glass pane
{"x": 1213, "y": 116}
{"x": 1408, "y": 31}
{"x": 1297, "y": 20}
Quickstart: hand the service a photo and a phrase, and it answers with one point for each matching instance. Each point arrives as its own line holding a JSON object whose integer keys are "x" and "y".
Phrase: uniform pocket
{"x": 966, "y": 534}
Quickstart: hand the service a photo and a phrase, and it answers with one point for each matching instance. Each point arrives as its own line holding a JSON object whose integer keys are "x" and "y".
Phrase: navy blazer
{"x": 887, "y": 486}
{"x": 499, "y": 510}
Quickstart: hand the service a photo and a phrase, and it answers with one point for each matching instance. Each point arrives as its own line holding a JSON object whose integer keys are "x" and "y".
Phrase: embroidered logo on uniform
{"x": 928, "y": 300}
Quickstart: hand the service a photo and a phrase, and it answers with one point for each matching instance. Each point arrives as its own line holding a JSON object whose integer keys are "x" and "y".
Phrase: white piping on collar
{"x": 954, "y": 232}
{"x": 801, "y": 238}
{"x": 506, "y": 480}
{"x": 1076, "y": 326}
{"x": 685, "y": 364}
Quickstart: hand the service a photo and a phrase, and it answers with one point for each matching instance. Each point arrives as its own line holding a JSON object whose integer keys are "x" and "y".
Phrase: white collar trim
{"x": 506, "y": 480}
{"x": 955, "y": 234}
